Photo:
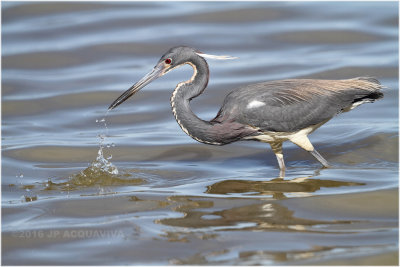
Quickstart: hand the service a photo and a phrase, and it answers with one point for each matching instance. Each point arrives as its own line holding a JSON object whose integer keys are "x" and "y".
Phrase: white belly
{"x": 272, "y": 137}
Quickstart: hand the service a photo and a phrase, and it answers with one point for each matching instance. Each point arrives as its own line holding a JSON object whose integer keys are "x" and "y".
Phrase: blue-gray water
{"x": 175, "y": 201}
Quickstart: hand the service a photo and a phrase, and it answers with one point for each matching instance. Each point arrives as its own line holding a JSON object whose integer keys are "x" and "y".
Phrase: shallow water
{"x": 129, "y": 187}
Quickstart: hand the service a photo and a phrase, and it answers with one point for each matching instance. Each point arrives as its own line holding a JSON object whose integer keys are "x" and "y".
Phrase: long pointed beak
{"x": 158, "y": 71}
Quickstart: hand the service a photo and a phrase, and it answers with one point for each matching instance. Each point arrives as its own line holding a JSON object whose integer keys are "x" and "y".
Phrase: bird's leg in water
{"x": 282, "y": 172}
{"x": 303, "y": 142}
{"x": 319, "y": 158}
{"x": 277, "y": 148}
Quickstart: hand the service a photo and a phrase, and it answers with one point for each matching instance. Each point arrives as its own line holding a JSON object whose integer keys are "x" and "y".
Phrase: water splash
{"x": 102, "y": 163}
{"x": 101, "y": 172}
{"x": 101, "y": 168}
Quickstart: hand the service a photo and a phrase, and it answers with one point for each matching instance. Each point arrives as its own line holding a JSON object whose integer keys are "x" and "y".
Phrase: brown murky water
{"x": 130, "y": 188}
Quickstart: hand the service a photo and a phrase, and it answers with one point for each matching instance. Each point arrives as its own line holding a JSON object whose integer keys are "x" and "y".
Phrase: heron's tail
{"x": 366, "y": 90}
{"x": 369, "y": 79}
{"x": 373, "y": 86}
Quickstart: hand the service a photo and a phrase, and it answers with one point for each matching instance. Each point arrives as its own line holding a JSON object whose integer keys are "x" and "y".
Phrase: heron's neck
{"x": 192, "y": 125}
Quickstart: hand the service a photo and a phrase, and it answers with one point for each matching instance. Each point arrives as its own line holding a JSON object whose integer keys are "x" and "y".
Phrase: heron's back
{"x": 294, "y": 104}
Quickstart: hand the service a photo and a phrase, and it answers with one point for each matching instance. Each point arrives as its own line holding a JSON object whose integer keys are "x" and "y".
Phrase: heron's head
{"x": 173, "y": 58}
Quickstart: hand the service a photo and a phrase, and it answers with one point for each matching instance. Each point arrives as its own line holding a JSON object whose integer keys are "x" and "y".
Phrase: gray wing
{"x": 291, "y": 105}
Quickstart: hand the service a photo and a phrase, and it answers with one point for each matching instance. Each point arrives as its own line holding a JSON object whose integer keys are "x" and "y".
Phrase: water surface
{"x": 80, "y": 187}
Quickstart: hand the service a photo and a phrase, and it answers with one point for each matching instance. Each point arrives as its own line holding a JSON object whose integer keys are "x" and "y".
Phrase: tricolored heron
{"x": 270, "y": 112}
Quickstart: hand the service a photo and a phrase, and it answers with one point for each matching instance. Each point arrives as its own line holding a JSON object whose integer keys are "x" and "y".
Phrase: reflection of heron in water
{"x": 271, "y": 112}
{"x": 237, "y": 214}
{"x": 277, "y": 188}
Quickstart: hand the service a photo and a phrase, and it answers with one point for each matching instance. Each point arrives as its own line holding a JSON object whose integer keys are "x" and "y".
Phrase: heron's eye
{"x": 168, "y": 61}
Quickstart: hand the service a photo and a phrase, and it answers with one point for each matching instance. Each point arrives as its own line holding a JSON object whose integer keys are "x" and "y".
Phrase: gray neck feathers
{"x": 192, "y": 125}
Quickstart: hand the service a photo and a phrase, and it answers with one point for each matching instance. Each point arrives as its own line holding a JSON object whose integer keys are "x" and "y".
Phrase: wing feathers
{"x": 294, "y": 104}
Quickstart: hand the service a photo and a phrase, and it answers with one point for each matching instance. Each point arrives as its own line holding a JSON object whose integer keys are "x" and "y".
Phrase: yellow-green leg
{"x": 277, "y": 148}
{"x": 303, "y": 142}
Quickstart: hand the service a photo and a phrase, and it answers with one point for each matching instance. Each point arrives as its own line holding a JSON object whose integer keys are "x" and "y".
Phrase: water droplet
{"x": 102, "y": 163}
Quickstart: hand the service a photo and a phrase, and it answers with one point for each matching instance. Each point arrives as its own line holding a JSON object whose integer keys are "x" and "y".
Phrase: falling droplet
{"x": 102, "y": 163}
